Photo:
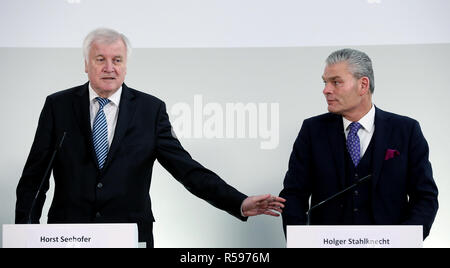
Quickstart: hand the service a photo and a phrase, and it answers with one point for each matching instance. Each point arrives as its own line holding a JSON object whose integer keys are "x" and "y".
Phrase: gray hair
{"x": 104, "y": 35}
{"x": 359, "y": 64}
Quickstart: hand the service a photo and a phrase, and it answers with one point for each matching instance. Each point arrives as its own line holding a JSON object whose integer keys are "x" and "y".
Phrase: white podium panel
{"x": 70, "y": 236}
{"x": 354, "y": 236}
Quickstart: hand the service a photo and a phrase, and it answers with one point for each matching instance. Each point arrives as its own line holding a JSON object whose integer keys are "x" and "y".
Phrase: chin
{"x": 333, "y": 110}
{"x": 110, "y": 88}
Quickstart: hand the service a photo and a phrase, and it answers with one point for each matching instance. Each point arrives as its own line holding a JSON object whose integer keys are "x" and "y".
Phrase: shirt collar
{"x": 114, "y": 98}
{"x": 367, "y": 121}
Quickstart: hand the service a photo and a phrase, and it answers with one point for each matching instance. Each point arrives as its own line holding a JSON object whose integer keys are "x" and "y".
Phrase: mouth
{"x": 108, "y": 78}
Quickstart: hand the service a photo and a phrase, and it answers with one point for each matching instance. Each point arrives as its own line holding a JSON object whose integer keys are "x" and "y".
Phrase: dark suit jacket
{"x": 402, "y": 188}
{"x": 143, "y": 134}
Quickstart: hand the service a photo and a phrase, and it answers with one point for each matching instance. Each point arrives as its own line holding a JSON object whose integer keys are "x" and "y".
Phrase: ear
{"x": 85, "y": 67}
{"x": 364, "y": 85}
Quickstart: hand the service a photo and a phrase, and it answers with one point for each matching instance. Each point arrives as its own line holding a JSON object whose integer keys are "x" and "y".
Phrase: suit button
{"x": 98, "y": 215}
{"x": 356, "y": 193}
{"x": 356, "y": 175}
{"x": 100, "y": 185}
{"x": 355, "y": 210}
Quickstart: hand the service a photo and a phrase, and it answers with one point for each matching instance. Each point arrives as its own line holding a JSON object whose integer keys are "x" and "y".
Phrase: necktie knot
{"x": 102, "y": 102}
{"x": 354, "y": 127}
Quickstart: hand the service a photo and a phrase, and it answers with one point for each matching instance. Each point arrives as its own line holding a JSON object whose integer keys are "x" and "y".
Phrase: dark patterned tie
{"x": 353, "y": 146}
{"x": 100, "y": 133}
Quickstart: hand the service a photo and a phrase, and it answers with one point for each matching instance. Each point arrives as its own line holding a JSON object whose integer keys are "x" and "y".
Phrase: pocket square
{"x": 391, "y": 153}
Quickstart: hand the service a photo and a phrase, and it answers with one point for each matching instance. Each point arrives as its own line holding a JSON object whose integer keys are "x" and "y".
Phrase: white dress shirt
{"x": 111, "y": 110}
{"x": 366, "y": 131}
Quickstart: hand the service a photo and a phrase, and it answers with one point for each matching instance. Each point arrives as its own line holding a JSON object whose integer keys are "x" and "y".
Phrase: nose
{"x": 108, "y": 67}
{"x": 327, "y": 89}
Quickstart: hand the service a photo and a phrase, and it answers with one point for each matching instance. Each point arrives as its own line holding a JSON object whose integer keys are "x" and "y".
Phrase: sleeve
{"x": 421, "y": 187}
{"x": 200, "y": 181}
{"x": 34, "y": 169}
{"x": 297, "y": 182}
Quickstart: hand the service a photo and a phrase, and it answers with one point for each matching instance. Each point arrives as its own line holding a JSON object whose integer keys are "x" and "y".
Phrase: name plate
{"x": 354, "y": 236}
{"x": 70, "y": 236}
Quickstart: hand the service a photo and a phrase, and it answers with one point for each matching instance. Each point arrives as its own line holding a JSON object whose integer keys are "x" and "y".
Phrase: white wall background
{"x": 228, "y": 51}
{"x": 226, "y": 23}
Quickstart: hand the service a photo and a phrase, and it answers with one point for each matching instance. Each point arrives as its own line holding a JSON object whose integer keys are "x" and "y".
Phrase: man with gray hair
{"x": 356, "y": 141}
{"x": 113, "y": 134}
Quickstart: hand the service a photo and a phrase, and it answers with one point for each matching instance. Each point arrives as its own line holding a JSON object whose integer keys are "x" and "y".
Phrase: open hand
{"x": 263, "y": 204}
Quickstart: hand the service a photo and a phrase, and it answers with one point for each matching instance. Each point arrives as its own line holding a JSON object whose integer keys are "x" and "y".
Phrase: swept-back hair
{"x": 359, "y": 63}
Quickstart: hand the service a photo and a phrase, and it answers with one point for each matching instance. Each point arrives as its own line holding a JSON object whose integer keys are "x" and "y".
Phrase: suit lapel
{"x": 82, "y": 114}
{"x": 127, "y": 108}
{"x": 381, "y": 137}
{"x": 336, "y": 137}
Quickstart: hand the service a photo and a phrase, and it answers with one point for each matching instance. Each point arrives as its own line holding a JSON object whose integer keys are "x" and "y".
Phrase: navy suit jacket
{"x": 403, "y": 190}
{"x": 120, "y": 191}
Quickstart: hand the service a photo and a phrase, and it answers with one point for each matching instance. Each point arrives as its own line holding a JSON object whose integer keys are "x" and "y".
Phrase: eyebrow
{"x": 101, "y": 55}
{"x": 331, "y": 78}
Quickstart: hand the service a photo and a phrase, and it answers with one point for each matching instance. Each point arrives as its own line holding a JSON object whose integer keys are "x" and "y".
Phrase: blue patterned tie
{"x": 100, "y": 133}
{"x": 353, "y": 146}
